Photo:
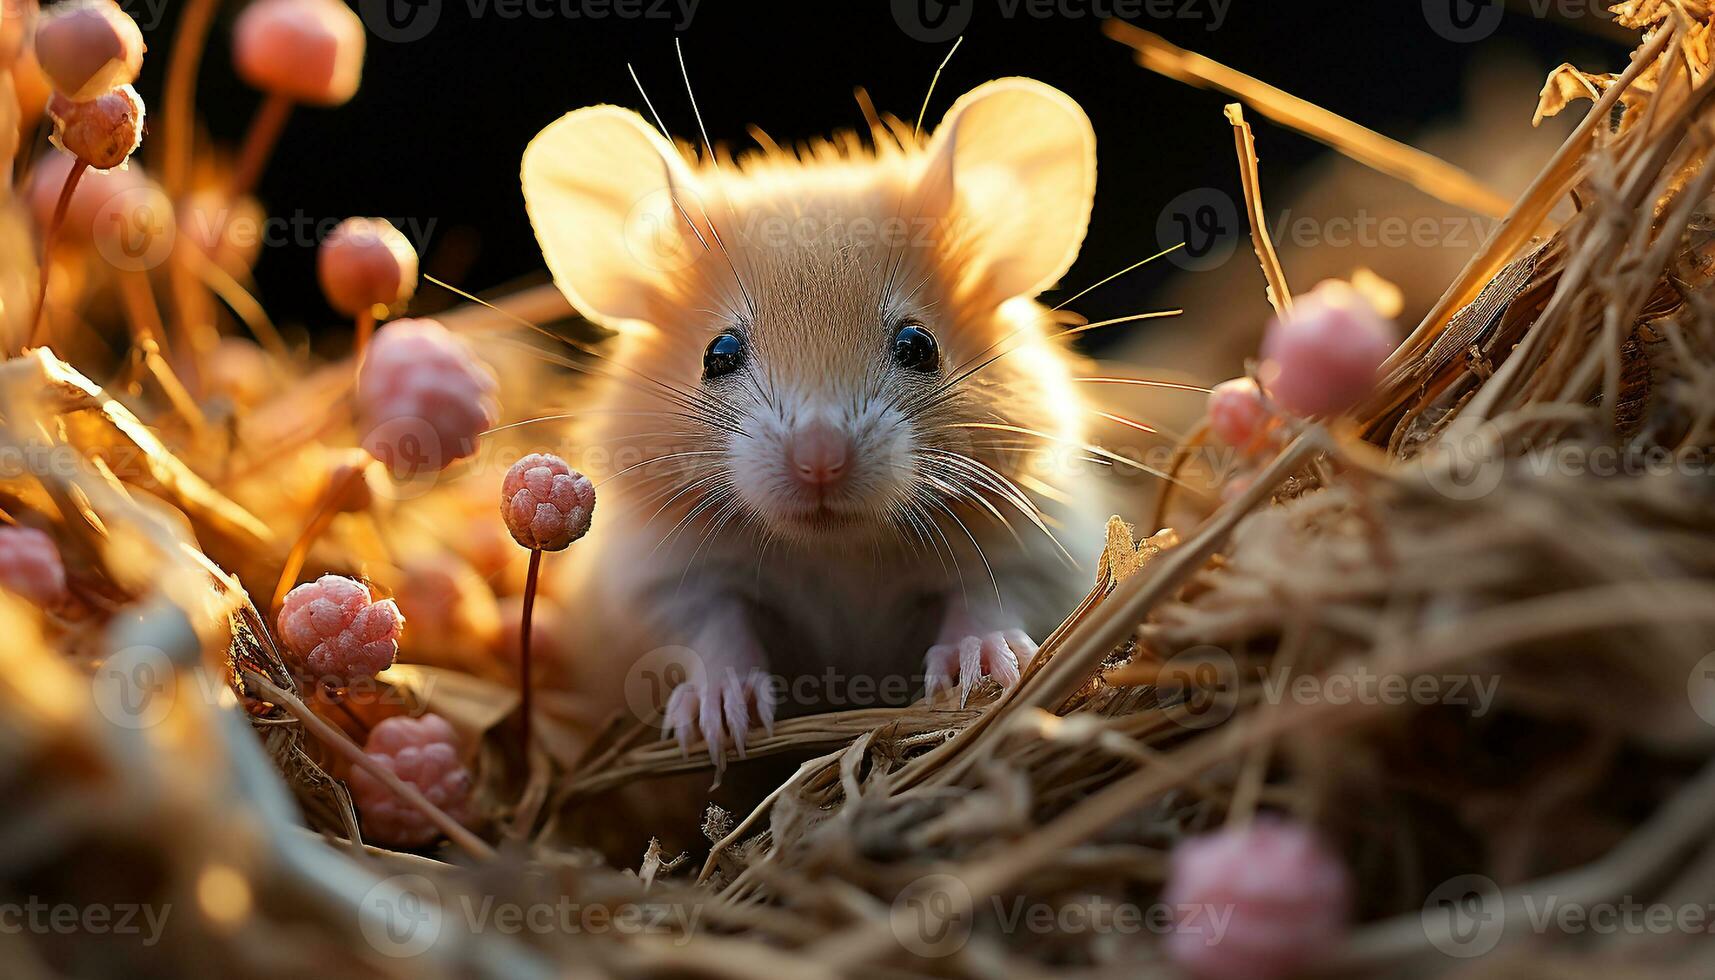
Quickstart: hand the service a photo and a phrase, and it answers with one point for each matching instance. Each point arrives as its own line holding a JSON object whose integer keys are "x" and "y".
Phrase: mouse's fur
{"x": 815, "y": 258}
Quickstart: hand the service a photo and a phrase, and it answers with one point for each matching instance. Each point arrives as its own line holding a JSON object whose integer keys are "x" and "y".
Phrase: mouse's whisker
{"x": 958, "y": 465}
{"x": 1094, "y": 450}
{"x": 666, "y": 457}
{"x": 1145, "y": 383}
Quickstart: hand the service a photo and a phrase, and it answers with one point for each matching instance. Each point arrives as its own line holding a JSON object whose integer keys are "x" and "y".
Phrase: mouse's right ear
{"x": 606, "y": 193}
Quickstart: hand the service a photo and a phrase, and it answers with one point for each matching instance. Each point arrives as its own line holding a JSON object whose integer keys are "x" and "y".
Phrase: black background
{"x": 436, "y": 130}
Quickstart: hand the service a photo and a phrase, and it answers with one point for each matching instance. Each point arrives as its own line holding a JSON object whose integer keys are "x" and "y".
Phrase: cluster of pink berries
{"x": 421, "y": 751}
{"x": 423, "y": 398}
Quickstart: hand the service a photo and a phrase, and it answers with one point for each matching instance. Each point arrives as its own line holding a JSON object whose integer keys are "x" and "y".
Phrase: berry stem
{"x": 365, "y": 330}
{"x": 327, "y": 508}
{"x": 66, "y": 191}
{"x": 265, "y": 130}
{"x": 524, "y": 646}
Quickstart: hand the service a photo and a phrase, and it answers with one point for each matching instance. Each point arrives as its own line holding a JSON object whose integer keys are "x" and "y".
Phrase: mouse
{"x": 855, "y": 472}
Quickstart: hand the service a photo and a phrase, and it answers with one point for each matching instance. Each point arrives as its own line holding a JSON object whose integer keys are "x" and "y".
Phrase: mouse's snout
{"x": 817, "y": 454}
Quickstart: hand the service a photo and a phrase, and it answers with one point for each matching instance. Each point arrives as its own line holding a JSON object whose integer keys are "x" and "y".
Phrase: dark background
{"x": 435, "y": 132}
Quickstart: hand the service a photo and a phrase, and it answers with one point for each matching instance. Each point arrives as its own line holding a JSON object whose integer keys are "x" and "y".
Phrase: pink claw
{"x": 547, "y": 504}
{"x": 1282, "y": 894}
{"x": 1324, "y": 358}
{"x": 425, "y": 753}
{"x": 423, "y": 398}
{"x": 30, "y": 566}
{"x": 337, "y": 633}
{"x": 310, "y": 51}
{"x": 721, "y": 711}
{"x": 965, "y": 660}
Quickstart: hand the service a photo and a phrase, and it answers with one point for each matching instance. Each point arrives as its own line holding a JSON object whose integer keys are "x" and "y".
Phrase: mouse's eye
{"x": 724, "y": 356}
{"x": 915, "y": 348}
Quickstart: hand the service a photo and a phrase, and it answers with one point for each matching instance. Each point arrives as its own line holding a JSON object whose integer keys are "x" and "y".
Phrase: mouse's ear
{"x": 604, "y": 191}
{"x": 1015, "y": 162}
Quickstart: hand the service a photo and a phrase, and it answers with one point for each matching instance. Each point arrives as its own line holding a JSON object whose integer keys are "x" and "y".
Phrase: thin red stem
{"x": 76, "y": 173}
{"x": 265, "y": 129}
{"x": 524, "y": 647}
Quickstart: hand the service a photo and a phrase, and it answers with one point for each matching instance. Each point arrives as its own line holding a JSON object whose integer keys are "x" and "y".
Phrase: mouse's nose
{"x": 817, "y": 454}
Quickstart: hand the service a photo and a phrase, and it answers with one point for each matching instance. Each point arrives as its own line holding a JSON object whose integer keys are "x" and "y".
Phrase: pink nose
{"x": 817, "y": 454}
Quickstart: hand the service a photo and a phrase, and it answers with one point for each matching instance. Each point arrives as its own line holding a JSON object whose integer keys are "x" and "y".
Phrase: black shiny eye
{"x": 724, "y": 356}
{"x": 914, "y": 348}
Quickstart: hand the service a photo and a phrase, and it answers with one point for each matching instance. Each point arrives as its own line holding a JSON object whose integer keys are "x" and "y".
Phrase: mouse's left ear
{"x": 1015, "y": 163}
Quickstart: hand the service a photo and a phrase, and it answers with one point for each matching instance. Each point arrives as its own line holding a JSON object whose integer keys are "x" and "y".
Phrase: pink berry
{"x": 425, "y": 753}
{"x": 547, "y": 504}
{"x": 1324, "y": 358}
{"x": 366, "y": 262}
{"x": 423, "y": 398}
{"x": 310, "y": 51}
{"x": 337, "y": 633}
{"x": 89, "y": 47}
{"x": 104, "y": 131}
{"x": 1237, "y": 414}
{"x": 30, "y": 566}
{"x": 1283, "y": 896}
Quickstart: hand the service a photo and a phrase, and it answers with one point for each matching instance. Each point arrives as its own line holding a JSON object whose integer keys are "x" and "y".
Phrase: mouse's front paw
{"x": 999, "y": 654}
{"x": 721, "y": 708}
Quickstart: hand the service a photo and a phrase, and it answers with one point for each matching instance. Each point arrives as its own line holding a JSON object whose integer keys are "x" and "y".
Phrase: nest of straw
{"x": 1519, "y": 509}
